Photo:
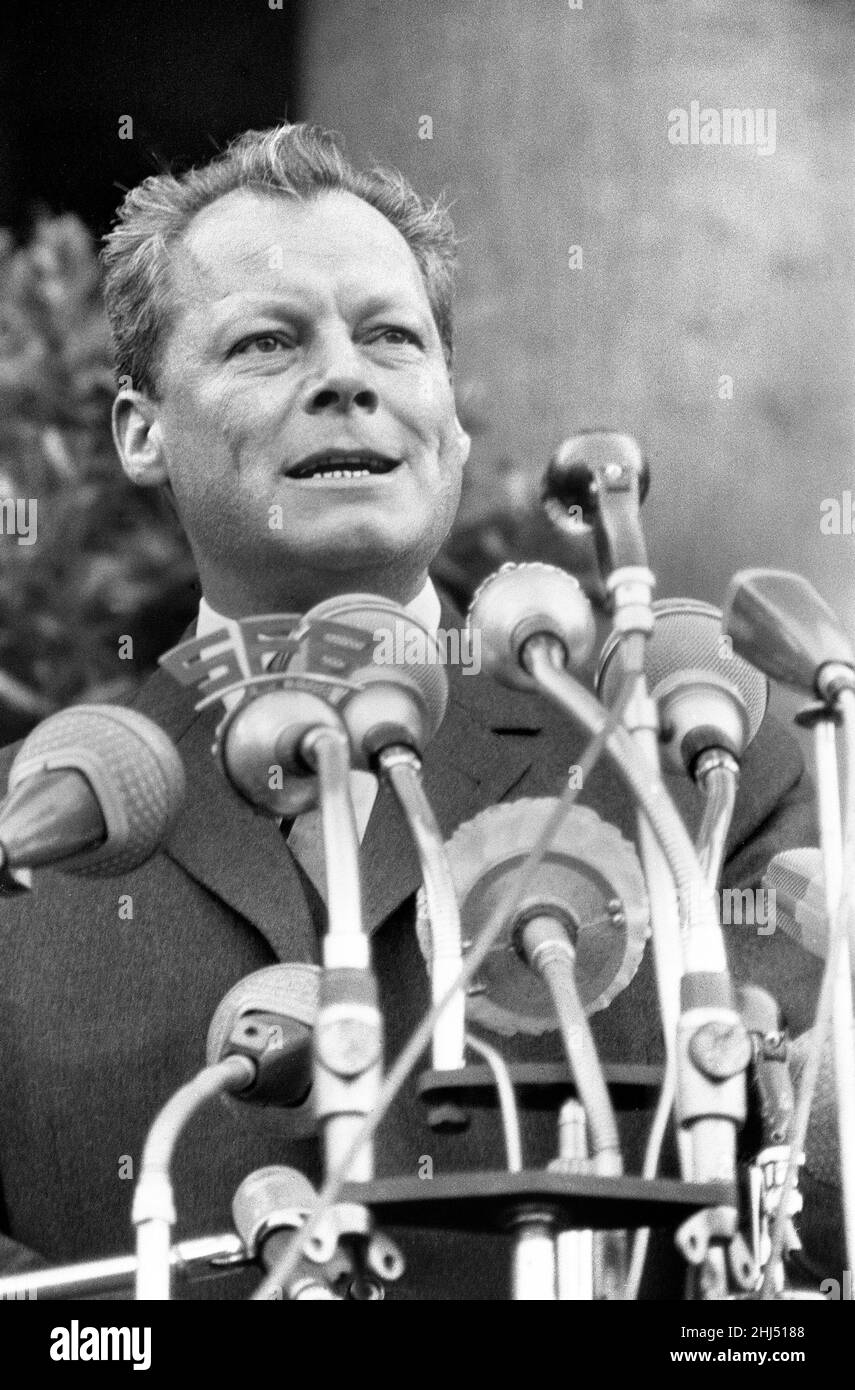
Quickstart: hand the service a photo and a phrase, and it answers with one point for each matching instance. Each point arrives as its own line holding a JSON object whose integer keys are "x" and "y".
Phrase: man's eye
{"x": 395, "y": 335}
{"x": 265, "y": 343}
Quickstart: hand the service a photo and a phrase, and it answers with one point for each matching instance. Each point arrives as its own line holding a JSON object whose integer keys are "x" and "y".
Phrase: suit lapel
{"x": 220, "y": 840}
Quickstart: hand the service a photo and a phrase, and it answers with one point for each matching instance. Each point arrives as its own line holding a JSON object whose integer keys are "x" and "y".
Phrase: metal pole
{"x": 843, "y": 1023}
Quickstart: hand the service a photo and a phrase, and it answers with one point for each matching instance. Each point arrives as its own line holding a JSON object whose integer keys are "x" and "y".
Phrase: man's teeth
{"x": 346, "y": 467}
{"x": 343, "y": 473}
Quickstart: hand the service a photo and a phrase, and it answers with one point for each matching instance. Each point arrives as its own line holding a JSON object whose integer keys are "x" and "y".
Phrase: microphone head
{"x": 580, "y": 466}
{"x": 289, "y": 991}
{"x": 590, "y": 879}
{"x": 707, "y": 697}
{"x": 262, "y": 736}
{"x": 404, "y": 688}
{"x": 778, "y": 621}
{"x": 523, "y": 601}
{"x": 271, "y": 1199}
{"x": 133, "y": 769}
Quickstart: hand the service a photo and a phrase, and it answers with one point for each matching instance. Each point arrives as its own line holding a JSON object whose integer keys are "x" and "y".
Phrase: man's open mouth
{"x": 335, "y": 463}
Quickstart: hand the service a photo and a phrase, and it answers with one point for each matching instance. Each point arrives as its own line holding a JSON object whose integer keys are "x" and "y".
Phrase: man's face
{"x": 304, "y": 350}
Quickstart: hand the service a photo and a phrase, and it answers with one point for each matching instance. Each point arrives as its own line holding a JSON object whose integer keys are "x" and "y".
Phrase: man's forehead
{"x": 255, "y": 241}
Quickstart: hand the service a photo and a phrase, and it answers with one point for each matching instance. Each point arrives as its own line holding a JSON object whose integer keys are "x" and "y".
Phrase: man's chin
{"x": 363, "y": 565}
{"x": 354, "y": 543}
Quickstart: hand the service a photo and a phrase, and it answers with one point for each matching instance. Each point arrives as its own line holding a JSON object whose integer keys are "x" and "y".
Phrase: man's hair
{"x": 296, "y": 161}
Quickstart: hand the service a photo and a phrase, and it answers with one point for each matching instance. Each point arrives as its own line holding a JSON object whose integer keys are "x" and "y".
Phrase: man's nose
{"x": 341, "y": 385}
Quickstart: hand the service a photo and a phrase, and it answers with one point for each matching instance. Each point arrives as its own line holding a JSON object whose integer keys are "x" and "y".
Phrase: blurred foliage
{"x": 110, "y": 558}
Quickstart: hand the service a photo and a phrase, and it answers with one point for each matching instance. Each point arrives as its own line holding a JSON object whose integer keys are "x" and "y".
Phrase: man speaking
{"x": 283, "y": 335}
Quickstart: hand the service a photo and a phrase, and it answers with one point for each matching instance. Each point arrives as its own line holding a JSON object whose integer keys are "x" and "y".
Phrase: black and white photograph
{"x": 427, "y": 665}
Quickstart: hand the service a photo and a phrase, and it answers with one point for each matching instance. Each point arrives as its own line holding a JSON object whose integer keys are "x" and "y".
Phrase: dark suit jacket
{"x": 102, "y": 1018}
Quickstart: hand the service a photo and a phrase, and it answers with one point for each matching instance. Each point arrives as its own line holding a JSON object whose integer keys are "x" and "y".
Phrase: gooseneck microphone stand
{"x": 391, "y": 711}
{"x": 717, "y": 774}
{"x": 602, "y": 474}
{"x": 348, "y": 1035}
{"x": 843, "y": 1015}
{"x": 153, "y": 1212}
{"x": 779, "y": 620}
{"x": 401, "y": 767}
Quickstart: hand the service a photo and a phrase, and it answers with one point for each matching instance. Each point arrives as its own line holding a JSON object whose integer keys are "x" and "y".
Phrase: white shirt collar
{"x": 425, "y": 608}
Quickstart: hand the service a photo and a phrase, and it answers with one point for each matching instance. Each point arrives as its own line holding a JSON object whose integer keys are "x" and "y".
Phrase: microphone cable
{"x": 508, "y": 1108}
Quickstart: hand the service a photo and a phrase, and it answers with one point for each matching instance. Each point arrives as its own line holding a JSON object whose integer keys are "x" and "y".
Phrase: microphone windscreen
{"x": 132, "y": 767}
{"x": 687, "y": 636}
{"x": 779, "y": 621}
{"x": 270, "y": 1199}
{"x": 404, "y": 650}
{"x": 291, "y": 990}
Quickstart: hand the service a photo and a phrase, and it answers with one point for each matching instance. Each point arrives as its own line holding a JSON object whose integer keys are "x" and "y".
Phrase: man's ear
{"x": 464, "y": 442}
{"x": 138, "y": 438}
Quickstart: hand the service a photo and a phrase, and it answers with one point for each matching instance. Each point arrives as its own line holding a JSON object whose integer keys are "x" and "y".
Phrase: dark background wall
{"x": 191, "y": 73}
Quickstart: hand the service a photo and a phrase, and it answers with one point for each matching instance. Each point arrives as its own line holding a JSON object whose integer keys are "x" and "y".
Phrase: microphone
{"x": 600, "y": 476}
{"x": 269, "y": 1016}
{"x": 92, "y": 790}
{"x": 395, "y": 703}
{"x": 778, "y": 621}
{"x": 521, "y": 604}
{"x": 793, "y": 635}
{"x": 362, "y": 666}
{"x": 268, "y": 1207}
{"x": 590, "y": 880}
{"x": 396, "y": 691}
{"x": 586, "y": 461}
{"x": 264, "y": 748}
{"x": 710, "y": 703}
{"x": 707, "y": 697}
{"x": 573, "y": 944}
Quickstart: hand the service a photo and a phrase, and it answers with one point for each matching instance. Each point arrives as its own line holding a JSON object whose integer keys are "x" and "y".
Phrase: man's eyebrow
{"x": 392, "y": 304}
{"x": 224, "y": 315}
{"x": 247, "y": 302}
